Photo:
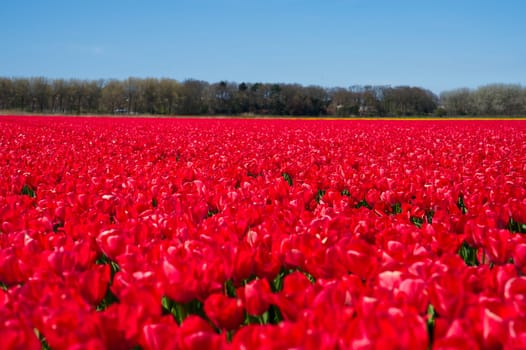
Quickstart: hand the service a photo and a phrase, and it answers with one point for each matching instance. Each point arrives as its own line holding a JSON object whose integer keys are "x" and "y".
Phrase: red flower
{"x": 361, "y": 258}
{"x": 160, "y": 336}
{"x": 448, "y": 295}
{"x": 375, "y": 217}
{"x": 112, "y": 243}
{"x": 497, "y": 245}
{"x": 296, "y": 295}
{"x": 10, "y": 271}
{"x": 266, "y": 263}
{"x": 196, "y": 333}
{"x": 94, "y": 283}
{"x": 257, "y": 295}
{"x": 180, "y": 283}
{"x": 243, "y": 263}
{"x": 16, "y": 334}
{"x": 519, "y": 257}
{"x": 515, "y": 293}
{"x": 415, "y": 293}
{"x": 225, "y": 312}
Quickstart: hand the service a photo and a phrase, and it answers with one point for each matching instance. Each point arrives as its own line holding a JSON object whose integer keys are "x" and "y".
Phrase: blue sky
{"x": 435, "y": 44}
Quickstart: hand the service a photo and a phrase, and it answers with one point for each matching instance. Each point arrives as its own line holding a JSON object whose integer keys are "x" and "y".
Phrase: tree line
{"x": 490, "y": 100}
{"x": 195, "y": 97}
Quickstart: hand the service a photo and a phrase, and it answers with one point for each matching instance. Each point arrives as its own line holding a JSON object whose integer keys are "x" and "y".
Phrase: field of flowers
{"x": 260, "y": 234}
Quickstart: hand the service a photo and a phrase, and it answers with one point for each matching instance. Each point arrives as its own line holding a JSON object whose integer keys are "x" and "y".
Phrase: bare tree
{"x": 169, "y": 95}
{"x": 113, "y": 97}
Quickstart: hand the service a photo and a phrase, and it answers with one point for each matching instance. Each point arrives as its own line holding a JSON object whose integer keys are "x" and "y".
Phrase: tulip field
{"x": 120, "y": 233}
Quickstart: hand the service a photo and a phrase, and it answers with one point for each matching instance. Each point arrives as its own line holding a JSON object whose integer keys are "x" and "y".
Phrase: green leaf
{"x": 309, "y": 276}
{"x": 165, "y": 303}
{"x": 250, "y": 319}
{"x": 230, "y": 290}
{"x": 42, "y": 339}
{"x": 287, "y": 178}
{"x": 431, "y": 315}
{"x": 468, "y": 254}
{"x": 195, "y": 307}
{"x": 429, "y": 215}
{"x": 108, "y": 299}
{"x": 274, "y": 315}
{"x": 265, "y": 317}
{"x": 181, "y": 311}
{"x": 319, "y": 196}
{"x": 57, "y": 226}
{"x": 461, "y": 205}
{"x": 102, "y": 259}
{"x": 418, "y": 222}
{"x": 277, "y": 284}
{"x": 516, "y": 227}
{"x": 396, "y": 208}
{"x": 211, "y": 212}
{"x": 28, "y": 191}
{"x": 363, "y": 203}
{"x": 170, "y": 307}
{"x": 114, "y": 268}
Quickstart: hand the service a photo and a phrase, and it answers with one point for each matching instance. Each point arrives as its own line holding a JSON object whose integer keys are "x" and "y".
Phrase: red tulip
{"x": 10, "y": 271}
{"x": 94, "y": 283}
{"x": 225, "y": 312}
{"x": 514, "y": 293}
{"x": 266, "y": 263}
{"x": 447, "y": 295}
{"x": 519, "y": 257}
{"x": 257, "y": 295}
{"x": 159, "y": 336}
{"x": 112, "y": 243}
{"x": 196, "y": 333}
{"x": 243, "y": 263}
{"x": 361, "y": 222}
